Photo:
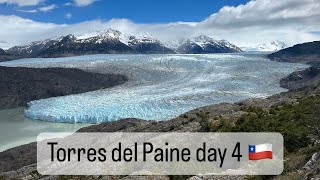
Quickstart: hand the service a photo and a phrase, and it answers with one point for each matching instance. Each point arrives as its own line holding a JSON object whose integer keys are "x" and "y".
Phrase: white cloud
{"x": 68, "y": 16}
{"x": 67, "y": 4}
{"x": 28, "y": 11}
{"x": 48, "y": 8}
{"x": 82, "y": 3}
{"x": 259, "y": 21}
{"x": 22, "y": 2}
{"x": 40, "y": 9}
{"x": 266, "y": 20}
{"x": 267, "y": 12}
{"x": 16, "y": 30}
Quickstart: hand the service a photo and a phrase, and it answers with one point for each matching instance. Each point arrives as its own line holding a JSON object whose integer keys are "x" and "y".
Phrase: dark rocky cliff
{"x": 21, "y": 85}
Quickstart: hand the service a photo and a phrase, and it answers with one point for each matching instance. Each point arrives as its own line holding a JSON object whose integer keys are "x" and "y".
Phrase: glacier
{"x": 160, "y": 87}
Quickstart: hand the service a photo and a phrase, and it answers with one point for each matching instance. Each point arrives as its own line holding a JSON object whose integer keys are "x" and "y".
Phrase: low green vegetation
{"x": 296, "y": 122}
{"x": 299, "y": 123}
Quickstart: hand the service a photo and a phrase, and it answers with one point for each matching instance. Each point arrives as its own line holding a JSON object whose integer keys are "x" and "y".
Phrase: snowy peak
{"x": 205, "y": 44}
{"x": 99, "y": 37}
{"x": 146, "y": 43}
{"x": 114, "y": 35}
{"x": 110, "y": 34}
{"x": 202, "y": 39}
{"x": 271, "y": 47}
{"x": 144, "y": 38}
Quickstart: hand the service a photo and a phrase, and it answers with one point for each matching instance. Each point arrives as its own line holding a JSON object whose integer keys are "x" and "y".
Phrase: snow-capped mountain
{"x": 205, "y": 44}
{"x": 271, "y": 47}
{"x": 34, "y": 47}
{"x": 104, "y": 43}
{"x": 144, "y": 43}
{"x": 100, "y": 36}
{"x": 143, "y": 38}
{"x": 114, "y": 42}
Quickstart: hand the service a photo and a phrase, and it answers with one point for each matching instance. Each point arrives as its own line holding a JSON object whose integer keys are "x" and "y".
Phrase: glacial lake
{"x": 16, "y": 129}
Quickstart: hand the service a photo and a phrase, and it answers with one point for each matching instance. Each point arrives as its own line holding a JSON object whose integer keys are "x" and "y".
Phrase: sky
{"x": 139, "y": 11}
{"x": 246, "y": 23}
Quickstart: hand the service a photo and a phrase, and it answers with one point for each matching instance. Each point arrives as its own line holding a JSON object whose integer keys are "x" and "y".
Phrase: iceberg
{"x": 160, "y": 87}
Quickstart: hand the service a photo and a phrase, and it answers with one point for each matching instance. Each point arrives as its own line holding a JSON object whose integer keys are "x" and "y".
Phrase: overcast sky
{"x": 242, "y": 22}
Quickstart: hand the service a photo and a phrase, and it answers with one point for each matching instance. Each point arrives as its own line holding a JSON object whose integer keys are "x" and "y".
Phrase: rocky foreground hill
{"x": 295, "y": 114}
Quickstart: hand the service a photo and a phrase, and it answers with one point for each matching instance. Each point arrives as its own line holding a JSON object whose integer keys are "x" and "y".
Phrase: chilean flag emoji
{"x": 260, "y": 151}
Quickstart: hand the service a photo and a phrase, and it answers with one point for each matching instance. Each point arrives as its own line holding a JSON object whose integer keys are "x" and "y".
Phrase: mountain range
{"x": 114, "y": 42}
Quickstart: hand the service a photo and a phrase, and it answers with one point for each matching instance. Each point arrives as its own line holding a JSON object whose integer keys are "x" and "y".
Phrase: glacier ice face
{"x": 160, "y": 87}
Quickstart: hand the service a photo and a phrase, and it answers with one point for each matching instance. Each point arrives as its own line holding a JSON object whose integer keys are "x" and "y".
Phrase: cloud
{"x": 28, "y": 11}
{"x": 265, "y": 20}
{"x": 22, "y": 2}
{"x": 267, "y": 12}
{"x": 68, "y": 16}
{"x": 16, "y": 30}
{"x": 67, "y": 4}
{"x": 259, "y": 21}
{"x": 48, "y": 8}
{"x": 41, "y": 9}
{"x": 82, "y": 3}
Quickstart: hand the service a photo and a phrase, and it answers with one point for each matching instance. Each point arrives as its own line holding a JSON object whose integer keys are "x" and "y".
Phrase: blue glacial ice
{"x": 160, "y": 87}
